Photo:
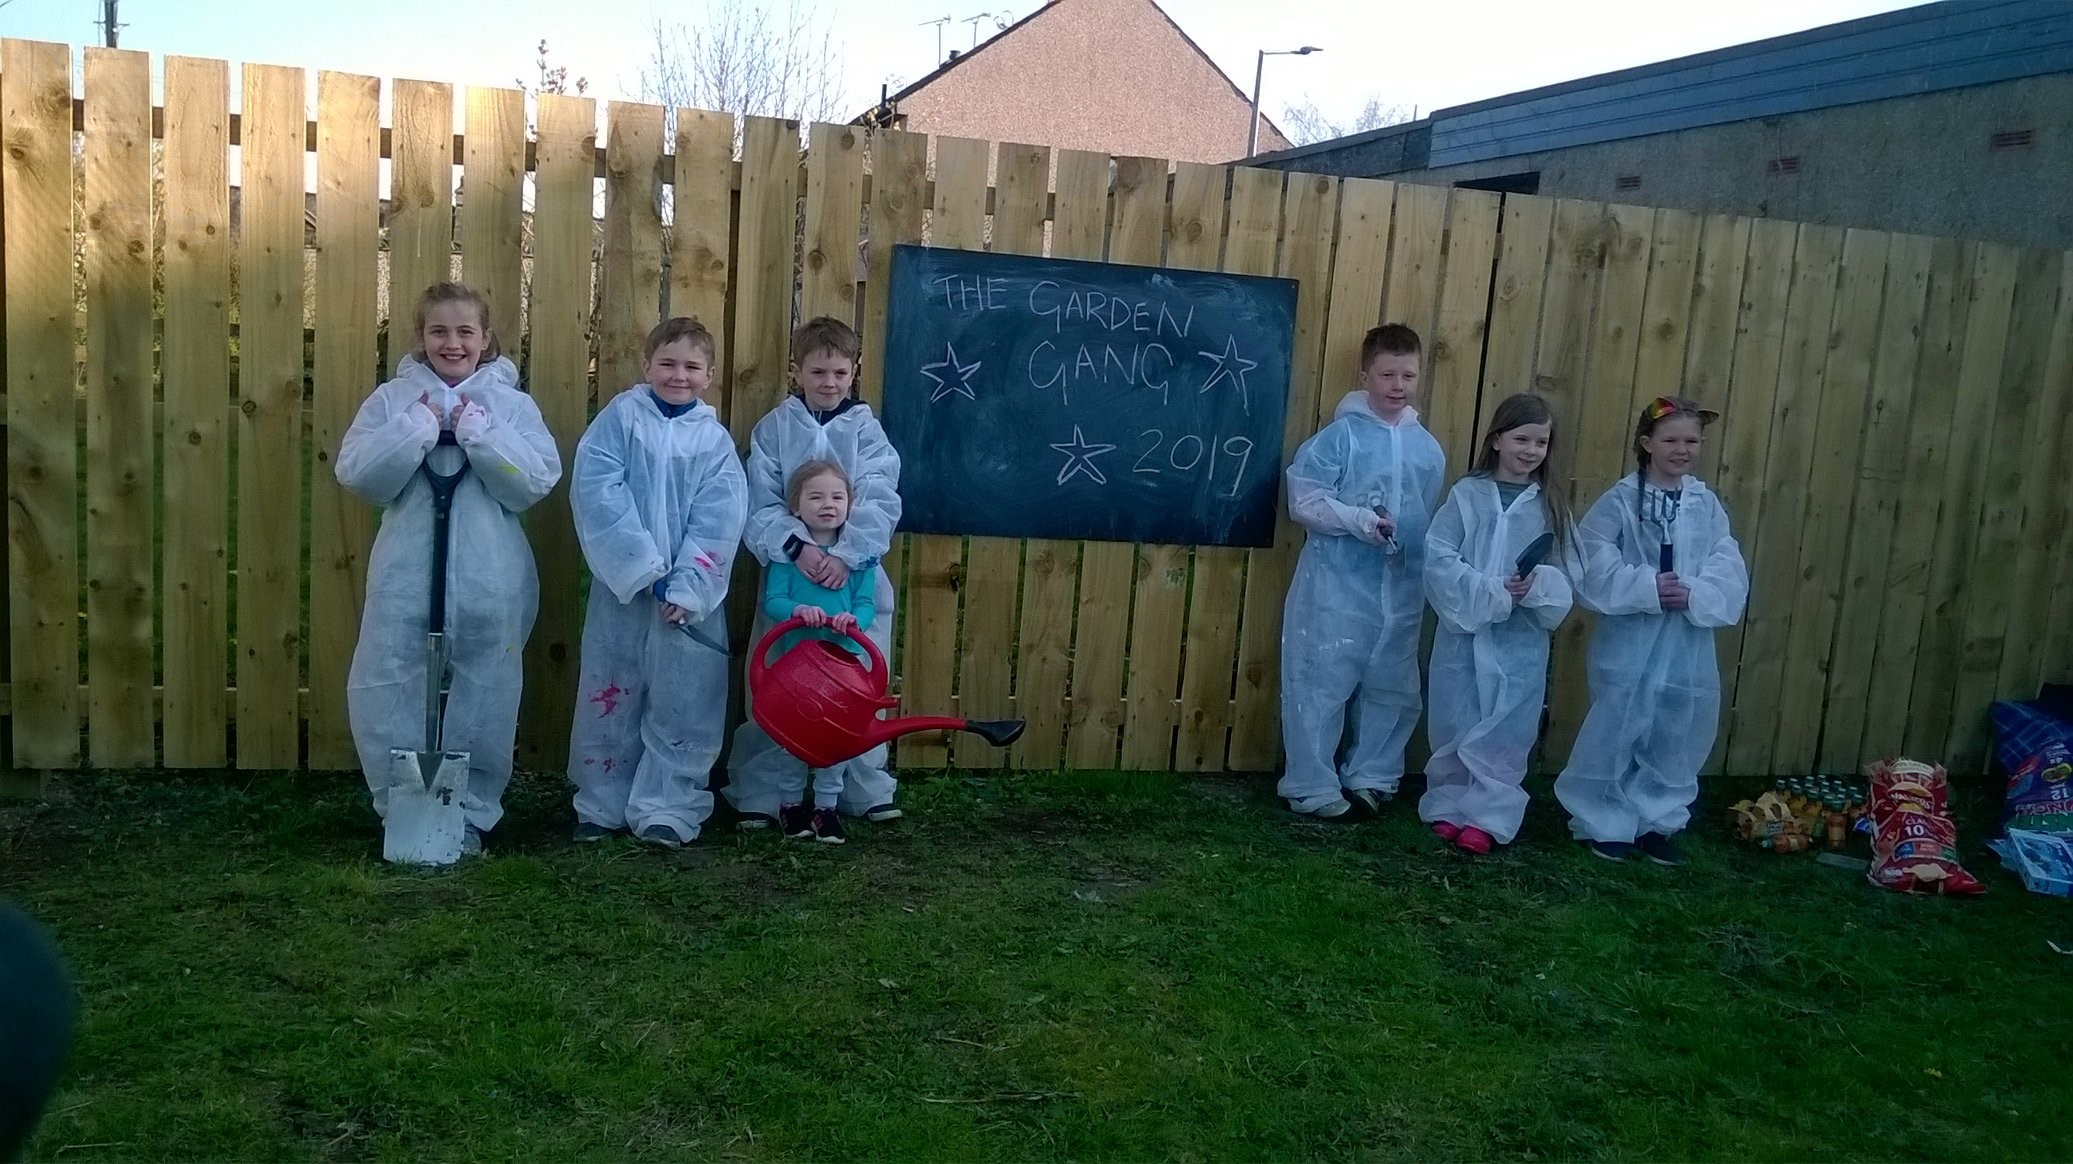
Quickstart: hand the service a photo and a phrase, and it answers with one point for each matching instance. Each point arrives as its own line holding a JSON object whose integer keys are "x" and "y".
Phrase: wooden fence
{"x": 189, "y": 331}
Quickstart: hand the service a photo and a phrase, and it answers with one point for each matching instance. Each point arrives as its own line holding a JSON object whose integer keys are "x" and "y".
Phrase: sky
{"x": 1423, "y": 56}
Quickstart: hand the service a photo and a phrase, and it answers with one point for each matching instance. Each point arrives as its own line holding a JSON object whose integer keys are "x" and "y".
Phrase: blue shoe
{"x": 662, "y": 837}
{"x": 1657, "y": 847}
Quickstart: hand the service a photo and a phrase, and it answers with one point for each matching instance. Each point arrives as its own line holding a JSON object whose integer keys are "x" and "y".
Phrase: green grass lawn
{"x": 1026, "y": 968}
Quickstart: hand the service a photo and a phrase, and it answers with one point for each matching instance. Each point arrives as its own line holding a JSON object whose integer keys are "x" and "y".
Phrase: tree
{"x": 773, "y": 58}
{"x": 553, "y": 79}
{"x": 1306, "y": 124}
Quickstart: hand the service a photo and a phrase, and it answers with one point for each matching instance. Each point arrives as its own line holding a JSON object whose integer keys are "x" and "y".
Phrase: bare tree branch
{"x": 1306, "y": 124}
{"x": 774, "y": 58}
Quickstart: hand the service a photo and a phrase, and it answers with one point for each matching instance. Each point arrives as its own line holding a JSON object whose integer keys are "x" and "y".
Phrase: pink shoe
{"x": 1446, "y": 830}
{"x": 1475, "y": 840}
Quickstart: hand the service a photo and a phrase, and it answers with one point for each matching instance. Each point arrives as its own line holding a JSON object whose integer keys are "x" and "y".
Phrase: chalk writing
{"x": 1056, "y": 398}
{"x": 1079, "y": 458}
{"x": 959, "y": 378}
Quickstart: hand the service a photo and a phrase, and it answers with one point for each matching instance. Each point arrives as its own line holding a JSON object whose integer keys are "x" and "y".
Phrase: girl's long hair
{"x": 1517, "y": 411}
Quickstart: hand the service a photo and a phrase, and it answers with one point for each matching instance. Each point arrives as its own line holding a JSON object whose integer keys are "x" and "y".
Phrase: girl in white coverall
{"x": 1661, "y": 565}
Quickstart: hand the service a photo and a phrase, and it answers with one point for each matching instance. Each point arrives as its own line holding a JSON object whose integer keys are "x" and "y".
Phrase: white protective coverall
{"x": 758, "y": 771}
{"x": 1489, "y": 670}
{"x": 1655, "y": 685}
{"x": 657, "y": 499}
{"x": 1349, "y": 630}
{"x": 492, "y": 589}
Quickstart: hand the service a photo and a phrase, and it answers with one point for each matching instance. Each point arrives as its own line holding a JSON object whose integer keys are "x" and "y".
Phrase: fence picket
{"x": 1309, "y": 214}
{"x": 42, "y": 448}
{"x": 197, "y": 394}
{"x": 1879, "y": 480}
{"x": 558, "y": 376}
{"x": 269, "y": 441}
{"x": 344, "y": 367}
{"x": 119, "y": 429}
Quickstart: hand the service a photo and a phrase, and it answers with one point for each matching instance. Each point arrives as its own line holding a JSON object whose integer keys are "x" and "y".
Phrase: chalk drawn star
{"x": 961, "y": 376}
{"x": 1079, "y": 458}
{"x": 1226, "y": 361}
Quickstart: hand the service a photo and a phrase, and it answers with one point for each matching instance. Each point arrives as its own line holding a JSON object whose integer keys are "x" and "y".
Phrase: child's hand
{"x": 675, "y": 615}
{"x": 843, "y": 622}
{"x": 1672, "y": 594}
{"x": 470, "y": 419}
{"x": 438, "y": 417}
{"x": 823, "y": 568}
{"x": 1387, "y": 526}
{"x": 1517, "y": 586}
{"x": 812, "y": 616}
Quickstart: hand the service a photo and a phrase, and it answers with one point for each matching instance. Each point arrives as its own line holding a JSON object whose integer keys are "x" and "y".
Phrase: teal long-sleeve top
{"x": 786, "y": 587}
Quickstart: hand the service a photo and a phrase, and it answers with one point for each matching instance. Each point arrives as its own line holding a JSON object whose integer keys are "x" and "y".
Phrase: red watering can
{"x": 821, "y": 704}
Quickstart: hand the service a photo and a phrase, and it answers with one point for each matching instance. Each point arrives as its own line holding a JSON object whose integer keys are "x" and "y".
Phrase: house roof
{"x": 1047, "y": 7}
{"x": 1915, "y": 50}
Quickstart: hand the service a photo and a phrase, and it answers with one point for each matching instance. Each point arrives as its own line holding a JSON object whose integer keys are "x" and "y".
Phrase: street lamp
{"x": 1252, "y": 137}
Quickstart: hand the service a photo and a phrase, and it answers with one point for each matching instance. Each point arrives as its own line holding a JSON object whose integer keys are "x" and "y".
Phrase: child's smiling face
{"x": 679, "y": 371}
{"x": 1673, "y": 445}
{"x": 1520, "y": 451}
{"x": 824, "y": 378}
{"x": 824, "y": 503}
{"x": 454, "y": 337}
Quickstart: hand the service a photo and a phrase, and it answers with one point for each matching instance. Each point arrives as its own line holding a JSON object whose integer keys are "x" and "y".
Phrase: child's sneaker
{"x": 1475, "y": 840}
{"x": 1657, "y": 847}
{"x": 1367, "y": 800}
{"x": 589, "y": 834}
{"x": 1335, "y": 810}
{"x": 880, "y": 813}
{"x": 793, "y": 820}
{"x": 827, "y": 827}
{"x": 662, "y": 837}
{"x": 753, "y": 821}
{"x": 1446, "y": 830}
{"x": 1609, "y": 850}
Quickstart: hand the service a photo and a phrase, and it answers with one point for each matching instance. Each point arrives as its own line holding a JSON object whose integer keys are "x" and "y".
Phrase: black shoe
{"x": 827, "y": 826}
{"x": 1367, "y": 802}
{"x": 589, "y": 834}
{"x": 662, "y": 837}
{"x": 753, "y": 821}
{"x": 1657, "y": 847}
{"x": 1609, "y": 850}
{"x": 794, "y": 820}
{"x": 880, "y": 813}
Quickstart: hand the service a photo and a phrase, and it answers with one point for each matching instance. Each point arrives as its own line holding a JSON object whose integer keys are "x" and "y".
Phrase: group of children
{"x": 661, "y": 501}
{"x": 1500, "y": 563}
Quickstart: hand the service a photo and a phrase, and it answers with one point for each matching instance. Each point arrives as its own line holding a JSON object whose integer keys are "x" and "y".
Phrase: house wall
{"x": 1107, "y": 75}
{"x": 1919, "y": 164}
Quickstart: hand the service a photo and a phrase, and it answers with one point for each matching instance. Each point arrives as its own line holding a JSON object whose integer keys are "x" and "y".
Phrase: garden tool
{"x": 425, "y": 823}
{"x": 1660, "y": 508}
{"x": 1535, "y": 553}
{"x": 821, "y": 704}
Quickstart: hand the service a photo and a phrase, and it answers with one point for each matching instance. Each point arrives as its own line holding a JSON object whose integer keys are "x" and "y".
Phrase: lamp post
{"x": 1259, "y": 71}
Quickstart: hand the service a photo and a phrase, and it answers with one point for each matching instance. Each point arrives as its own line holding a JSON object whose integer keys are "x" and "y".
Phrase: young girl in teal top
{"x": 818, "y": 494}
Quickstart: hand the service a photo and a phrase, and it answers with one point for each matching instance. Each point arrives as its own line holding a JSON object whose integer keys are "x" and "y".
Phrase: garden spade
{"x": 425, "y": 823}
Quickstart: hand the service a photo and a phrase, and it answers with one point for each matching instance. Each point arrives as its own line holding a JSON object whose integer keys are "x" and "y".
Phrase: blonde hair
{"x": 439, "y": 293}
{"x": 810, "y": 470}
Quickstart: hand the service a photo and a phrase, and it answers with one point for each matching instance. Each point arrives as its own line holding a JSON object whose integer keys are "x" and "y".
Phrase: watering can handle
{"x": 758, "y": 659}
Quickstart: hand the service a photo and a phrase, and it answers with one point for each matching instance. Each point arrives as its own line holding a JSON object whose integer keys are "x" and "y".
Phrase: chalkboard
{"x": 1052, "y": 398}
